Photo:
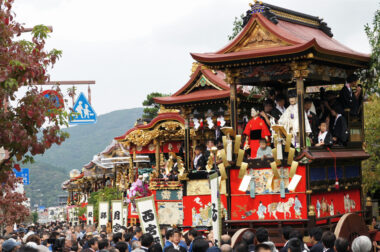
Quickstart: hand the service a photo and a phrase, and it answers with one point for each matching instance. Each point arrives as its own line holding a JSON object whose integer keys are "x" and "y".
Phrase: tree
{"x": 12, "y": 209}
{"x": 371, "y": 167}
{"x": 370, "y": 77}
{"x": 31, "y": 124}
{"x": 35, "y": 217}
{"x": 371, "y": 81}
{"x": 237, "y": 27}
{"x": 150, "y": 107}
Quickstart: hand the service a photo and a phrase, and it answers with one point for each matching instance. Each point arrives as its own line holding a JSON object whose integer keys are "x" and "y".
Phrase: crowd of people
{"x": 62, "y": 237}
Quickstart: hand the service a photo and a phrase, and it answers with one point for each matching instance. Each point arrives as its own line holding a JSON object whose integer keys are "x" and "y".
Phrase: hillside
{"x": 52, "y": 168}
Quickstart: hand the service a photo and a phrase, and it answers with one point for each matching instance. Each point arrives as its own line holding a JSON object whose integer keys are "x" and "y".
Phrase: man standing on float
{"x": 255, "y": 130}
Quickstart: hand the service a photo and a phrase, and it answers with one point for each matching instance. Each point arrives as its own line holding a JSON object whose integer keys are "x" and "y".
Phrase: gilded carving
{"x": 300, "y": 69}
{"x": 256, "y": 38}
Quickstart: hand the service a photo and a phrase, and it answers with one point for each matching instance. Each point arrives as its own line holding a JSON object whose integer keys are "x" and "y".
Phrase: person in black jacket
{"x": 285, "y": 234}
{"x": 328, "y": 240}
{"x": 339, "y": 128}
{"x": 200, "y": 160}
{"x": 315, "y": 238}
{"x": 249, "y": 238}
{"x": 175, "y": 244}
{"x": 347, "y": 97}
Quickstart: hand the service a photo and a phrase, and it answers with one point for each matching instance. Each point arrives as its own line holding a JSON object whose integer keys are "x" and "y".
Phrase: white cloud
{"x": 132, "y": 48}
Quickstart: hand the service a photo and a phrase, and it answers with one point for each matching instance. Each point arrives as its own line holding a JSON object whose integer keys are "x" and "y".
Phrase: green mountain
{"x": 52, "y": 168}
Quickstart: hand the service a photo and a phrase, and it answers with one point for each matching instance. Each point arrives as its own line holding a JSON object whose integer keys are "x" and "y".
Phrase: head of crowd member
{"x": 93, "y": 244}
{"x": 10, "y": 245}
{"x": 146, "y": 241}
{"x": 262, "y": 235}
{"x": 225, "y": 239}
{"x": 169, "y": 235}
{"x": 176, "y": 236}
{"x": 192, "y": 234}
{"x": 226, "y": 248}
{"x": 341, "y": 245}
{"x": 33, "y": 238}
{"x": 137, "y": 233}
{"x": 110, "y": 237}
{"x": 242, "y": 247}
{"x": 156, "y": 247}
{"x": 45, "y": 236}
{"x": 135, "y": 245}
{"x": 352, "y": 80}
{"x": 294, "y": 245}
{"x": 361, "y": 244}
{"x": 262, "y": 247}
{"x": 286, "y": 232}
{"x": 27, "y": 249}
{"x": 328, "y": 240}
{"x": 163, "y": 229}
{"x": 103, "y": 244}
{"x": 315, "y": 235}
{"x": 117, "y": 237}
{"x": 127, "y": 237}
{"x": 210, "y": 144}
{"x": 200, "y": 245}
{"x": 248, "y": 237}
{"x": 121, "y": 246}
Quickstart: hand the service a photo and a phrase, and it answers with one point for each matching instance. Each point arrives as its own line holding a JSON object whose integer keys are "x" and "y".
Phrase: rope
{"x": 336, "y": 176}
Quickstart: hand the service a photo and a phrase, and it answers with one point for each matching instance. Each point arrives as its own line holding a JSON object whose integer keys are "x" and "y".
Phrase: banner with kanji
{"x": 148, "y": 217}
{"x": 90, "y": 214}
{"x": 117, "y": 215}
{"x": 215, "y": 207}
{"x": 103, "y": 214}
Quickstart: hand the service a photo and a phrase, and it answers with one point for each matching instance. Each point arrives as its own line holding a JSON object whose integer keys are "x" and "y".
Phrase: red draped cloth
{"x": 256, "y": 129}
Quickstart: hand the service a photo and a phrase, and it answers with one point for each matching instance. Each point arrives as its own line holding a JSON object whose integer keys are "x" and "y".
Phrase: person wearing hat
{"x": 10, "y": 245}
{"x": 289, "y": 119}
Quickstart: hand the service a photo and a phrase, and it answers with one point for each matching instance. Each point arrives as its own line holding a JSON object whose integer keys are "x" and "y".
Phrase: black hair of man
{"x": 280, "y": 97}
{"x": 128, "y": 236}
{"x": 352, "y": 78}
{"x": 27, "y": 249}
{"x": 121, "y": 246}
{"x": 169, "y": 234}
{"x": 295, "y": 245}
{"x": 103, "y": 236}
{"x": 262, "y": 235}
{"x": 137, "y": 230}
{"x": 328, "y": 239}
{"x": 193, "y": 232}
{"x": 316, "y": 233}
{"x": 248, "y": 237}
{"x": 198, "y": 147}
{"x": 296, "y": 234}
{"x": 156, "y": 247}
{"x": 102, "y": 244}
{"x": 308, "y": 100}
{"x": 92, "y": 242}
{"x": 262, "y": 247}
{"x": 117, "y": 237}
{"x": 286, "y": 232}
{"x": 200, "y": 245}
{"x": 146, "y": 240}
{"x": 241, "y": 247}
{"x": 341, "y": 245}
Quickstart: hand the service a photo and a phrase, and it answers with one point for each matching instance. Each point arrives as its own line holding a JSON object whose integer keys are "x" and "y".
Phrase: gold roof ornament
{"x": 194, "y": 67}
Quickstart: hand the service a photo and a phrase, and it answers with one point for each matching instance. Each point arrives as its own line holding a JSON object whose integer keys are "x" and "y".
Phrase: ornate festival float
{"x": 277, "y": 166}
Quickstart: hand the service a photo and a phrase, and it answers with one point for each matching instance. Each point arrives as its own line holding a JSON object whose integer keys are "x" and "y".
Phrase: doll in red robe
{"x": 255, "y": 130}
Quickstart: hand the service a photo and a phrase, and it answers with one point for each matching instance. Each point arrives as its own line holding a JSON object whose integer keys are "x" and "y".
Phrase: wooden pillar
{"x": 187, "y": 145}
{"x": 157, "y": 154}
{"x": 233, "y": 105}
{"x": 301, "y": 112}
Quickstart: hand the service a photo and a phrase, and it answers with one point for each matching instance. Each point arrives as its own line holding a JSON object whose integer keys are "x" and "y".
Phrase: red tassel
{"x": 201, "y": 124}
